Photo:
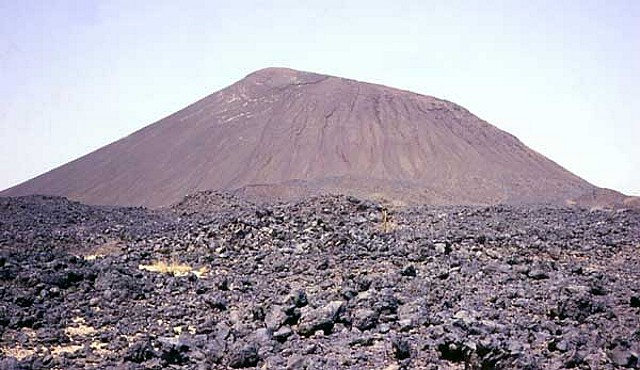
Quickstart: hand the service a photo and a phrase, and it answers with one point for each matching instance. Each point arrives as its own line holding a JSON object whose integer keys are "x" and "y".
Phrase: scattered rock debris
{"x": 317, "y": 284}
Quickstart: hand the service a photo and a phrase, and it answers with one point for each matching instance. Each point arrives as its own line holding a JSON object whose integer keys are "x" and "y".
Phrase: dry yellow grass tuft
{"x": 79, "y": 329}
{"x": 202, "y": 271}
{"x": 108, "y": 248}
{"x": 21, "y": 353}
{"x": 17, "y": 352}
{"x": 71, "y": 348}
{"x": 387, "y": 225}
{"x": 99, "y": 348}
{"x": 80, "y": 335}
{"x": 180, "y": 329}
{"x": 175, "y": 268}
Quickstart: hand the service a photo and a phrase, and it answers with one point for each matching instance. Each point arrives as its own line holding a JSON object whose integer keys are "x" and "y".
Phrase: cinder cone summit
{"x": 286, "y": 133}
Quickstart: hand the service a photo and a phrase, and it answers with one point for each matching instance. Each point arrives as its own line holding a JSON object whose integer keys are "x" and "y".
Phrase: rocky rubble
{"x": 322, "y": 283}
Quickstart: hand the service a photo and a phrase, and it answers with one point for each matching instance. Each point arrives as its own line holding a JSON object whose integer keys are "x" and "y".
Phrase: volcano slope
{"x": 281, "y": 133}
{"x": 322, "y": 283}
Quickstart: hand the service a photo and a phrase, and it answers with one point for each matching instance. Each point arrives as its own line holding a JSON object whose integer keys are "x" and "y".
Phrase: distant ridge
{"x": 284, "y": 133}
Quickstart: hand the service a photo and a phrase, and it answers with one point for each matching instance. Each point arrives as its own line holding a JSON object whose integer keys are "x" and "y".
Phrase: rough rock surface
{"x": 317, "y": 284}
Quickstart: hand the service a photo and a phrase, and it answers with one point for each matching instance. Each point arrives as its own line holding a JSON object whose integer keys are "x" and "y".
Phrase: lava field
{"x": 329, "y": 282}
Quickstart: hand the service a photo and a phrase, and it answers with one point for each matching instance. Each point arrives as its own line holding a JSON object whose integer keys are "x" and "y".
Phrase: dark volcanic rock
{"x": 365, "y": 319}
{"x": 409, "y": 271}
{"x": 323, "y": 318}
{"x": 538, "y": 274}
{"x": 624, "y": 357}
{"x": 244, "y": 355}
{"x": 140, "y": 352}
{"x": 319, "y": 284}
{"x": 174, "y": 351}
{"x": 579, "y": 307}
{"x": 401, "y": 348}
{"x": 282, "y": 334}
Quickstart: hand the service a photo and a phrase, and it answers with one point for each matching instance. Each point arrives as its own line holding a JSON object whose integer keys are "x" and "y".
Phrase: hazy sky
{"x": 563, "y": 76}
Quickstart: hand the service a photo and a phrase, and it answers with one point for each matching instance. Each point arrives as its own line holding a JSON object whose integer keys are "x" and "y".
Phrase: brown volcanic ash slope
{"x": 285, "y": 132}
